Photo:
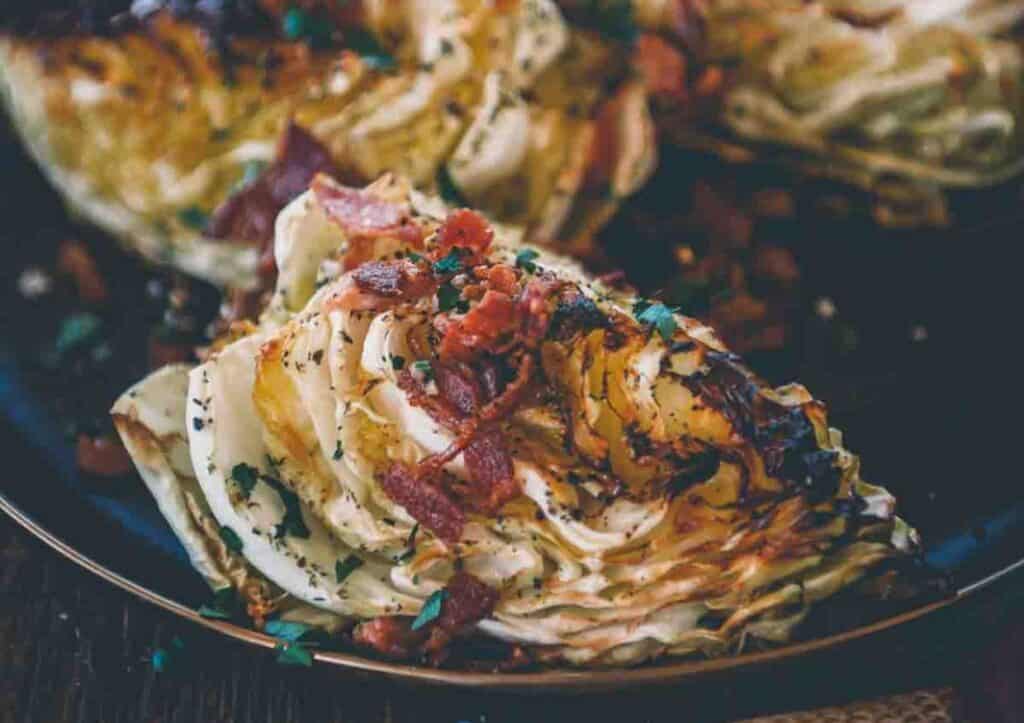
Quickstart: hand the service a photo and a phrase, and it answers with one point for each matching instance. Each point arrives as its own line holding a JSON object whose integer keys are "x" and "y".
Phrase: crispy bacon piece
{"x": 378, "y": 285}
{"x": 458, "y": 387}
{"x": 662, "y": 67}
{"x": 483, "y": 326}
{"x": 469, "y": 600}
{"x": 249, "y": 214}
{"x": 489, "y": 463}
{"x": 361, "y": 214}
{"x": 425, "y": 501}
{"x": 391, "y": 636}
{"x": 500, "y": 277}
{"x": 536, "y": 306}
{"x": 465, "y": 229}
{"x": 103, "y": 456}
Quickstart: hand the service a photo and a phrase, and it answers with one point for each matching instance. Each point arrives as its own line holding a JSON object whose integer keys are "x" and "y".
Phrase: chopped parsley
{"x": 251, "y": 172}
{"x": 339, "y": 452}
{"x": 447, "y": 188}
{"x": 525, "y": 259}
{"x": 657, "y": 316}
{"x": 448, "y": 298}
{"x": 76, "y": 330}
{"x": 431, "y": 609}
{"x": 223, "y": 606}
{"x": 612, "y": 18}
{"x": 344, "y": 568}
{"x": 423, "y": 367}
{"x": 287, "y": 630}
{"x": 293, "y": 654}
{"x": 292, "y": 522}
{"x": 413, "y": 256}
{"x": 193, "y": 217}
{"x": 291, "y": 649}
{"x": 231, "y": 538}
{"x": 370, "y": 50}
{"x": 450, "y": 264}
{"x": 397, "y": 362}
{"x": 246, "y": 477}
{"x": 410, "y": 545}
{"x": 166, "y": 660}
{"x": 297, "y": 24}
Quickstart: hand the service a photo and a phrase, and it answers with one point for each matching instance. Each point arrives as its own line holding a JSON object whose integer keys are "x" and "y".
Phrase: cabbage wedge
{"x": 458, "y": 407}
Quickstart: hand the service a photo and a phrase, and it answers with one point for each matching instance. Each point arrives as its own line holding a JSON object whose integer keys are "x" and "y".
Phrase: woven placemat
{"x": 923, "y": 706}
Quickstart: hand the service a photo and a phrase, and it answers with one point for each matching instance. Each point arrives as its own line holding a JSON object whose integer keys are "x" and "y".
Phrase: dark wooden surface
{"x": 74, "y": 648}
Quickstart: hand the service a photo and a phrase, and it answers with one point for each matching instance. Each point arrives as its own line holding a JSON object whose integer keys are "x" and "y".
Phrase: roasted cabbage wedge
{"x": 910, "y": 99}
{"x": 476, "y": 435}
{"x": 148, "y": 130}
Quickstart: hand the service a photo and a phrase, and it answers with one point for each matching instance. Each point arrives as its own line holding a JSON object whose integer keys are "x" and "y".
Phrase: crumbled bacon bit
{"x": 382, "y": 284}
{"x": 249, "y": 214}
{"x": 469, "y": 600}
{"x": 458, "y": 387}
{"x": 391, "y": 636}
{"x": 465, "y": 229}
{"x": 103, "y": 456}
{"x": 74, "y": 259}
{"x": 493, "y": 318}
{"x": 536, "y": 307}
{"x": 490, "y": 468}
{"x": 662, "y": 67}
{"x": 425, "y": 501}
{"x": 500, "y": 277}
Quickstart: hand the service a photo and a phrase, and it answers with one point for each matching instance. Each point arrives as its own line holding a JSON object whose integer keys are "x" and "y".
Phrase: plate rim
{"x": 566, "y": 680}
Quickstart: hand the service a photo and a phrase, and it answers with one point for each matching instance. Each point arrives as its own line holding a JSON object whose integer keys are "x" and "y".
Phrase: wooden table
{"x": 73, "y": 648}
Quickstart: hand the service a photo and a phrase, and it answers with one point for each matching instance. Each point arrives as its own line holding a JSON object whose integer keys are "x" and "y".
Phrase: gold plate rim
{"x": 543, "y": 681}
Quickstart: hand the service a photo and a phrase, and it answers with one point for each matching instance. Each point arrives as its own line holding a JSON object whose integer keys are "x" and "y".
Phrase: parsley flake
{"x": 293, "y": 654}
{"x": 397, "y": 362}
{"x": 431, "y": 609}
{"x": 525, "y": 259}
{"x": 450, "y": 264}
{"x": 447, "y": 188}
{"x": 448, "y": 298}
{"x": 166, "y": 660}
{"x": 292, "y": 522}
{"x": 286, "y": 630}
{"x": 344, "y": 568}
{"x": 193, "y": 217}
{"x": 246, "y": 477}
{"x": 231, "y": 538}
{"x": 423, "y": 367}
{"x": 410, "y": 545}
{"x": 223, "y": 606}
{"x": 338, "y": 451}
{"x": 658, "y": 316}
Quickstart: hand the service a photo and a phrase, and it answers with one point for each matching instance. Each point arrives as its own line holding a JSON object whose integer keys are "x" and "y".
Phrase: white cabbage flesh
{"x": 312, "y": 400}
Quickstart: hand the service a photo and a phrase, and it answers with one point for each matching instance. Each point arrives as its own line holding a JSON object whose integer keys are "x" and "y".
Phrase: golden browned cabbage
{"x": 148, "y": 131}
{"x": 479, "y": 434}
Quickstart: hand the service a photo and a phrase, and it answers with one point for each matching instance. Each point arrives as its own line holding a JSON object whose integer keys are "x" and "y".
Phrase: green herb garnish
{"x": 397, "y": 362}
{"x": 657, "y": 316}
{"x": 246, "y": 477}
{"x": 223, "y": 606}
{"x": 450, "y": 264}
{"x": 370, "y": 50}
{"x": 410, "y": 545}
{"x": 344, "y": 568}
{"x": 448, "y": 298}
{"x": 525, "y": 259}
{"x": 293, "y": 654}
{"x": 250, "y": 174}
{"x": 431, "y": 609}
{"x": 292, "y": 522}
{"x": 75, "y": 330}
{"x": 231, "y": 538}
{"x": 339, "y": 452}
{"x": 447, "y": 188}
{"x": 287, "y": 630}
{"x": 193, "y": 217}
{"x": 423, "y": 367}
{"x": 166, "y": 660}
